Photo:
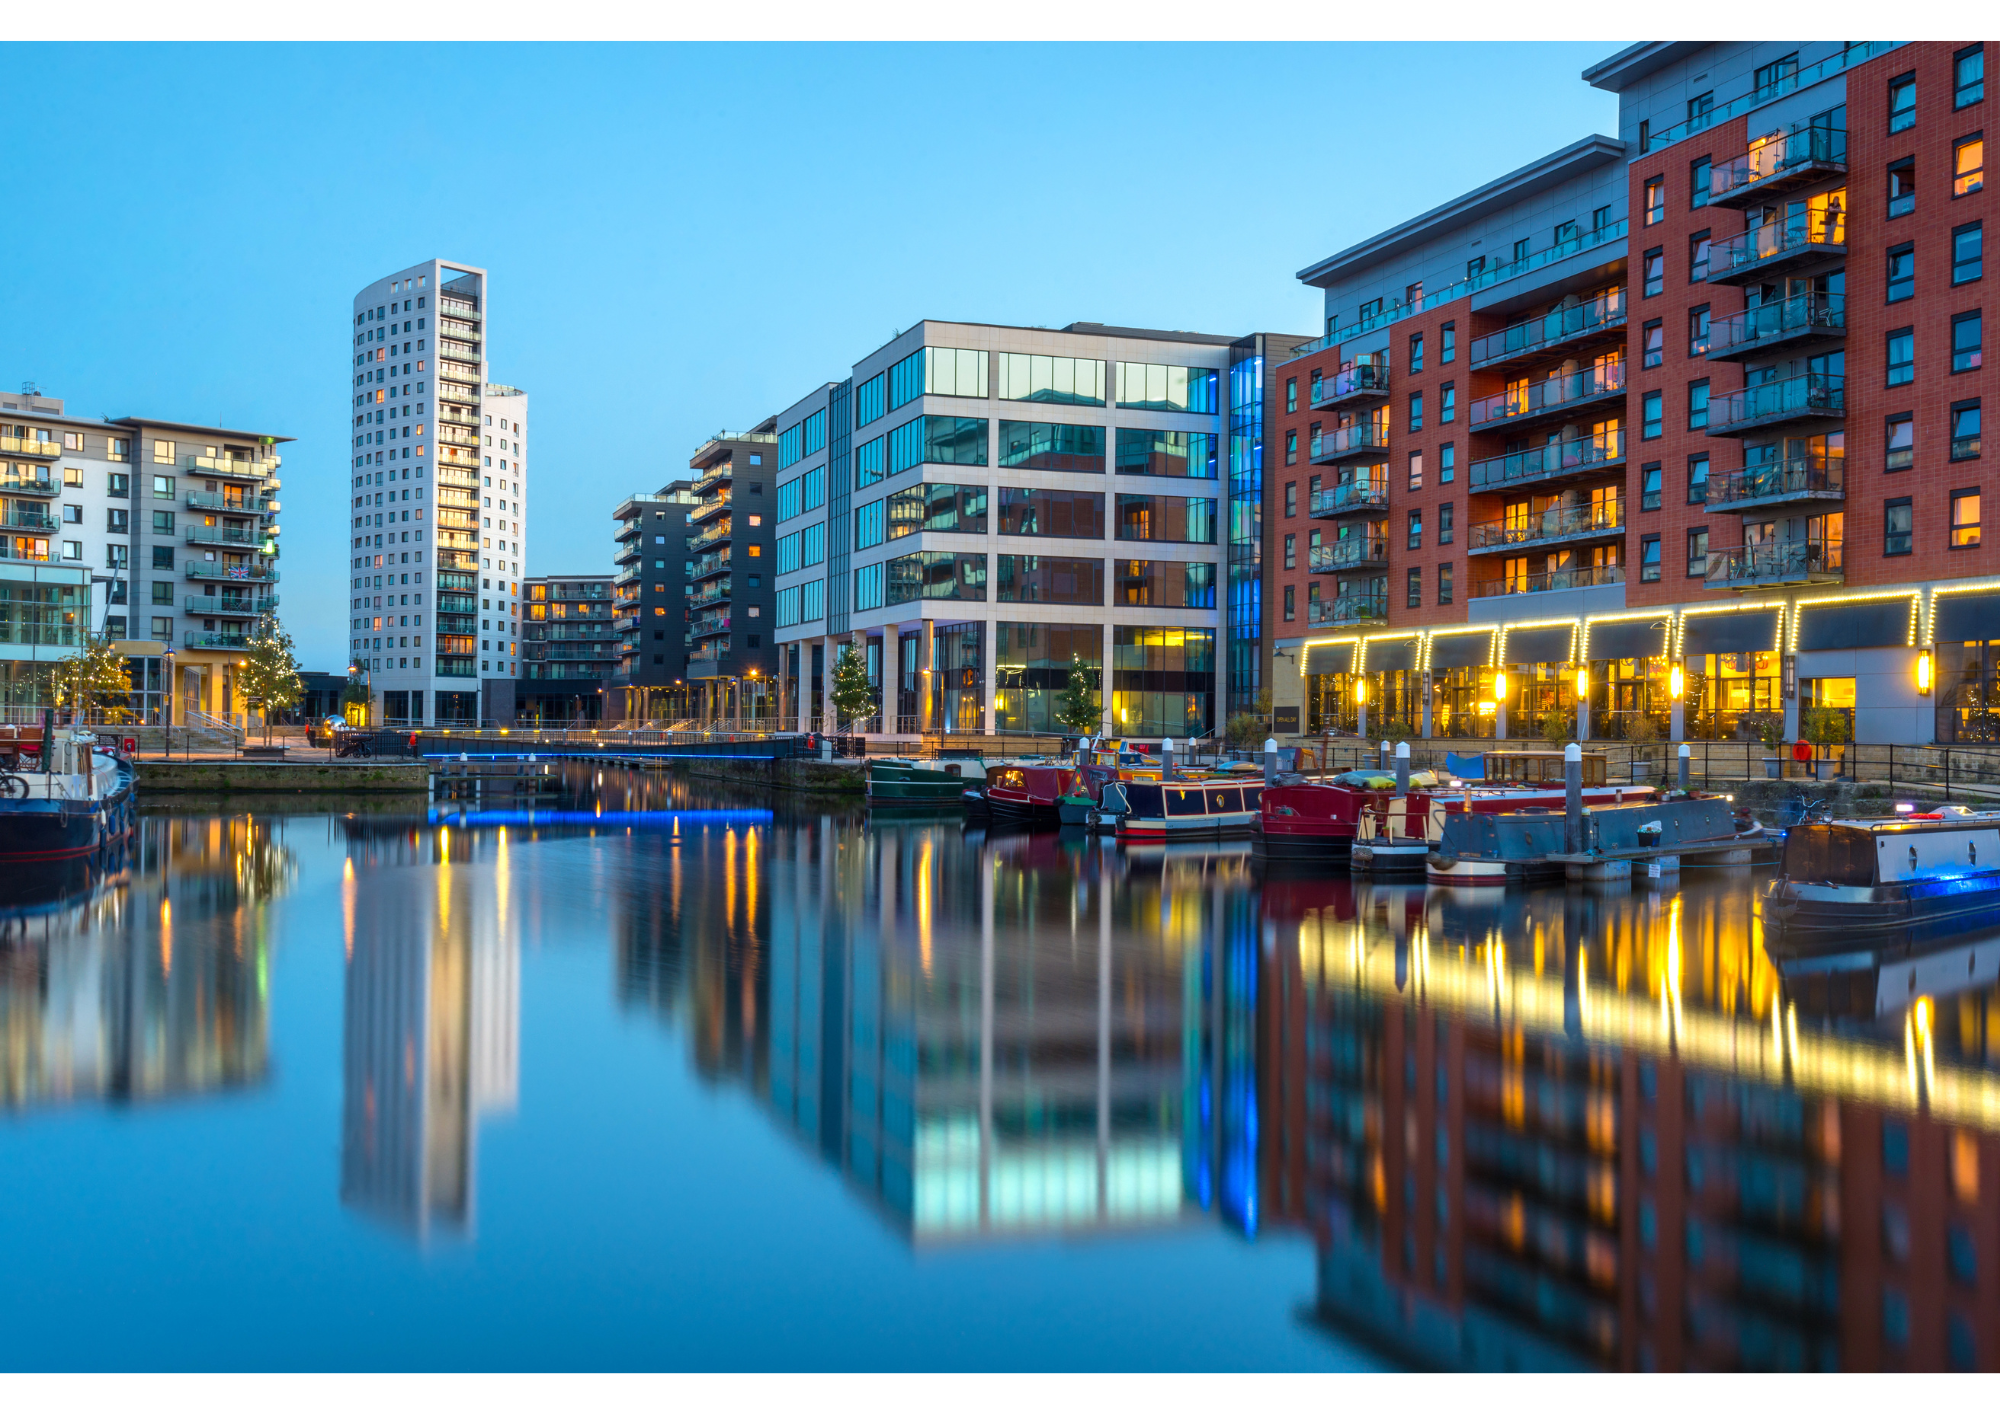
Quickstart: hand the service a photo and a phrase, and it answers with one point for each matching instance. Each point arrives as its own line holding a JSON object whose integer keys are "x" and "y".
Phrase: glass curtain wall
{"x": 1163, "y": 681}
{"x": 1031, "y": 666}
{"x": 1245, "y": 614}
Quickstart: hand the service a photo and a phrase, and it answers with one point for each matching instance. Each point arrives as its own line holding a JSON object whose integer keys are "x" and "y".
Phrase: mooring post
{"x": 1270, "y": 761}
{"x": 1402, "y": 767}
{"x": 1573, "y": 799}
{"x": 1686, "y": 754}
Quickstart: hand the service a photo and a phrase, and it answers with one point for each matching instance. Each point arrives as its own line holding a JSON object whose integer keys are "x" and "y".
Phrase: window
{"x": 1416, "y": 353}
{"x": 1046, "y": 579}
{"x": 1444, "y": 584}
{"x": 1291, "y": 498}
{"x": 869, "y": 525}
{"x": 1416, "y": 530}
{"x": 1053, "y": 446}
{"x": 1968, "y": 165}
{"x": 1444, "y": 523}
{"x": 1698, "y": 244}
{"x": 1189, "y": 520}
{"x": 1292, "y": 447}
{"x": 1649, "y": 487}
{"x": 1650, "y": 415}
{"x": 951, "y": 441}
{"x": 163, "y": 559}
{"x": 1521, "y": 249}
{"x": 1900, "y": 437}
{"x": 1291, "y": 395}
{"x": 163, "y": 591}
{"x": 1902, "y": 356}
{"x": 118, "y": 483}
{"x": 1448, "y": 403}
{"x": 1655, "y": 200}
{"x": 1968, "y": 77}
{"x": 1033, "y": 511}
{"x": 934, "y": 574}
{"x": 1902, "y": 103}
{"x": 1160, "y": 387}
{"x": 1448, "y": 342}
{"x": 1040, "y": 378}
{"x": 1655, "y": 271}
{"x": 1964, "y": 520}
{"x": 163, "y": 488}
{"x": 163, "y": 453}
{"x": 1413, "y": 295}
{"x": 1697, "y": 404}
{"x": 1416, "y": 471}
{"x": 1291, "y": 603}
{"x": 1649, "y": 559}
{"x": 1968, "y": 246}
{"x": 1772, "y": 77}
{"x": 1475, "y": 267}
{"x": 947, "y": 373}
{"x": 1699, "y": 176}
{"x": 1653, "y": 344}
{"x": 1413, "y": 587}
{"x": 870, "y": 400}
{"x": 1291, "y": 552}
{"x": 870, "y": 462}
{"x": 1370, "y": 309}
{"x": 1416, "y": 412}
{"x": 789, "y": 442}
{"x": 1698, "y": 553}
{"x": 1698, "y": 331}
{"x": 1566, "y": 233}
{"x": 163, "y": 522}
{"x": 1965, "y": 430}
{"x": 1144, "y": 451}
{"x": 1897, "y": 527}
{"x": 1902, "y": 187}
{"x": 1447, "y": 463}
{"x": 1902, "y": 272}
{"x": 1698, "y": 480}
{"x": 1965, "y": 338}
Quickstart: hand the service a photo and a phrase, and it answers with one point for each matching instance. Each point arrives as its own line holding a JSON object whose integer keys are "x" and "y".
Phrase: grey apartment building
{"x": 649, "y": 596}
{"x": 569, "y": 651}
{"x": 732, "y": 537}
{"x": 977, "y": 506}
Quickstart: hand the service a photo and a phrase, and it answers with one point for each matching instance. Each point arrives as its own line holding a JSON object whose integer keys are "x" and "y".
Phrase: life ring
{"x": 1802, "y": 751}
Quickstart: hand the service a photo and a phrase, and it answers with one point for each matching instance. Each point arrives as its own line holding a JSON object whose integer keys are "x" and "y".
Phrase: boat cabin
{"x": 1538, "y": 768}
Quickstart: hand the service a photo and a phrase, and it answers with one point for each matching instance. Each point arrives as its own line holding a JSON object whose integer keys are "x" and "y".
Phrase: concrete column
{"x": 1500, "y": 707}
{"x": 830, "y": 719}
{"x": 926, "y": 674}
{"x": 784, "y": 658}
{"x": 1424, "y": 727}
{"x": 1788, "y": 672}
{"x": 1110, "y": 723}
{"x": 1582, "y": 705}
{"x": 1677, "y": 714}
{"x": 990, "y": 676}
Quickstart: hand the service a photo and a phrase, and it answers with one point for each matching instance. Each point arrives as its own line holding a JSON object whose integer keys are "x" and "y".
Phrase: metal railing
{"x": 241, "y": 468}
{"x": 1805, "y": 476}
{"x": 1581, "y": 577}
{"x": 1776, "y": 562}
{"x": 1799, "y": 148}
{"x": 225, "y": 604}
{"x": 1364, "y": 378}
{"x": 1554, "y": 459}
{"x": 1803, "y": 395}
{"x": 1351, "y": 554}
{"x": 1361, "y": 437}
{"x": 1606, "y": 312}
{"x": 1550, "y": 394}
{"x": 1345, "y": 497}
{"x": 1780, "y": 319}
{"x": 1551, "y": 524}
{"x": 1347, "y": 609}
{"x": 1824, "y": 231}
{"x": 28, "y": 520}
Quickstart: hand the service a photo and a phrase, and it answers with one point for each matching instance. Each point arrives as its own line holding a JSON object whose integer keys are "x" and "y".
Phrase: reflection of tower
{"x": 432, "y": 1039}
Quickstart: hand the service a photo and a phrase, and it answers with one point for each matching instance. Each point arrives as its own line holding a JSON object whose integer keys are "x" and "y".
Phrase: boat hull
{"x": 1820, "y": 917}
{"x": 35, "y": 831}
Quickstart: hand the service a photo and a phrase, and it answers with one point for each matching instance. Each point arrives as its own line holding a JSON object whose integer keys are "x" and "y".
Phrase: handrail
{"x": 1551, "y": 394}
{"x": 1569, "y": 520}
{"x": 1605, "y": 312}
{"x": 1800, "y": 475}
{"x": 1785, "y": 316}
{"x": 1581, "y": 577}
{"x": 1722, "y": 112}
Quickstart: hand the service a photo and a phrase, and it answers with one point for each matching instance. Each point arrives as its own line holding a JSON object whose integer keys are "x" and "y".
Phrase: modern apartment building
{"x": 161, "y": 536}
{"x": 569, "y": 650}
{"x": 440, "y": 499}
{"x": 649, "y": 599}
{"x": 978, "y": 506}
{"x": 731, "y": 545}
{"x": 1575, "y": 442}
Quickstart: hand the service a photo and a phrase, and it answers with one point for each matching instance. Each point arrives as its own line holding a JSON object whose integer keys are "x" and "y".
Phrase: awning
{"x": 1386, "y": 655}
{"x": 1461, "y": 650}
{"x": 1538, "y": 645}
{"x": 1629, "y": 638}
{"x": 1329, "y": 658}
{"x": 1746, "y": 631}
{"x": 1967, "y": 618}
{"x": 1872, "y": 623}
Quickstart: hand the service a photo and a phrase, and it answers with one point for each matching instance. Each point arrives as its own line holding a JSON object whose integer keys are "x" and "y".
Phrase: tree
{"x": 356, "y": 700}
{"x": 269, "y": 674}
{"x": 853, "y": 694}
{"x": 94, "y": 681}
{"x": 1078, "y": 710}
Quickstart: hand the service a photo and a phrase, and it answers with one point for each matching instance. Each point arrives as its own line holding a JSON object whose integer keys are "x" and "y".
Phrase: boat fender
{"x": 1439, "y": 860}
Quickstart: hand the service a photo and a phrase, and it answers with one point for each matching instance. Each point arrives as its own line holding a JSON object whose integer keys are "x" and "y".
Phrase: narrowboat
{"x": 78, "y": 800}
{"x": 1027, "y": 794}
{"x": 1925, "y": 874}
{"x": 1524, "y": 845}
{"x": 894, "y": 781}
{"x": 1191, "y": 809}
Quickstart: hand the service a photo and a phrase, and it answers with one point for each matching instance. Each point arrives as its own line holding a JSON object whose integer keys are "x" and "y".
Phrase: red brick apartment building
{"x": 1705, "y": 397}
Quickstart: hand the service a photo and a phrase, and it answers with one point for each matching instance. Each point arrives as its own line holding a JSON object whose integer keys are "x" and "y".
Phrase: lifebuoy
{"x": 1802, "y": 751}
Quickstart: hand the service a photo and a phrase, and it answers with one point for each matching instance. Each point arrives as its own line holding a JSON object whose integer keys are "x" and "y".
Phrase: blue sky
{"x": 689, "y": 237}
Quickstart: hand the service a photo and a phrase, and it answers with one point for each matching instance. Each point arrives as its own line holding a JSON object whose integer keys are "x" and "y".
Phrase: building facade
{"x": 977, "y": 507}
{"x": 649, "y": 595}
{"x": 731, "y": 548}
{"x": 569, "y": 650}
{"x": 160, "y": 536}
{"x": 440, "y": 499}
{"x": 1574, "y": 444}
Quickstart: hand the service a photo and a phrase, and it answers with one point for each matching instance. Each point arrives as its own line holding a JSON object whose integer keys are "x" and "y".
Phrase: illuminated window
{"x": 1964, "y": 520}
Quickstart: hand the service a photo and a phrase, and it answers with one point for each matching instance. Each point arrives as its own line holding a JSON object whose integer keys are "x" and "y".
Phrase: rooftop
{"x": 1629, "y": 65}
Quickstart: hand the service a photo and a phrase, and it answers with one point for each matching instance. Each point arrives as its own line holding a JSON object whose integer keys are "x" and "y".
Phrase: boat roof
{"x": 1944, "y": 817}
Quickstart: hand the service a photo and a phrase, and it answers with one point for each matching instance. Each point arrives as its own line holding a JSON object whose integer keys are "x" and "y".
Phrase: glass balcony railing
{"x": 1577, "y": 321}
{"x": 1778, "y": 162}
{"x": 1780, "y": 321}
{"x": 1776, "y": 562}
{"x": 213, "y": 569}
{"x": 709, "y": 624}
{"x": 234, "y": 505}
{"x": 1555, "y": 523}
{"x": 1348, "y": 609}
{"x": 31, "y": 447}
{"x": 1551, "y": 395}
{"x": 229, "y": 605}
{"x": 242, "y": 468}
{"x": 221, "y": 535}
{"x": 1793, "y": 479}
{"x": 1365, "y": 381}
{"x": 29, "y": 518}
{"x": 1807, "y": 396}
{"x": 1581, "y": 577}
{"x": 1348, "y": 497}
{"x": 1360, "y": 552}
{"x": 24, "y": 547}
{"x": 1775, "y": 244}
{"x": 714, "y": 535}
{"x": 14, "y": 477}
{"x": 1567, "y": 458}
{"x": 197, "y": 639}
{"x": 1361, "y": 439}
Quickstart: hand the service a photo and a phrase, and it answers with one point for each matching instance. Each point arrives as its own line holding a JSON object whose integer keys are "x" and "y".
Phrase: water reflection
{"x": 143, "y": 975}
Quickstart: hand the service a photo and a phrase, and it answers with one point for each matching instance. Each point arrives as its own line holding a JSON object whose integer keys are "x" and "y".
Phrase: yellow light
{"x": 1923, "y": 672}
{"x": 1361, "y": 690}
{"x": 1499, "y": 687}
{"x": 1674, "y": 683}
{"x": 1582, "y": 681}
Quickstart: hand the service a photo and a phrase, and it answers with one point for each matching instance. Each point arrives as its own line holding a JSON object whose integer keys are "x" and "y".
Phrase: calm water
{"x": 678, "y": 1082}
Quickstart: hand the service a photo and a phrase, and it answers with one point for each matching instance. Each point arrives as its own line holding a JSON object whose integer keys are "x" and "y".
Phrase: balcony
{"x": 1364, "y": 383}
{"x": 1787, "y": 323}
{"x": 709, "y": 597}
{"x": 1558, "y": 397}
{"x": 1776, "y": 562}
{"x": 707, "y": 510}
{"x": 1796, "y": 481}
{"x": 24, "y": 548}
{"x": 1350, "y": 556}
{"x": 718, "y": 475}
{"x": 1348, "y": 611}
{"x": 197, "y": 639}
{"x": 1792, "y": 246}
{"x": 215, "y": 569}
{"x": 462, "y": 352}
{"x": 456, "y": 419}
{"x": 1777, "y": 163}
{"x": 1364, "y": 441}
{"x": 237, "y": 468}
{"x": 12, "y": 480}
{"x": 709, "y": 565}
{"x": 715, "y": 535}
{"x": 1581, "y": 577}
{"x": 1348, "y": 498}
{"x": 30, "y": 447}
{"x": 709, "y": 626}
{"x": 1555, "y": 526}
{"x": 1564, "y": 330}
{"x": 33, "y": 518}
{"x": 1579, "y": 456}
{"x": 226, "y": 606}
{"x": 1799, "y": 401}
{"x": 233, "y": 505}
{"x": 221, "y": 535}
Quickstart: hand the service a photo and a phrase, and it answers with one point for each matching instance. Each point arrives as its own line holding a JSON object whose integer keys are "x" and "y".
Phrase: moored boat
{"x": 1190, "y": 809}
{"x": 1926, "y": 874}
{"x": 1028, "y": 793}
{"x": 893, "y": 781}
{"x": 79, "y": 802}
{"x": 1524, "y": 845}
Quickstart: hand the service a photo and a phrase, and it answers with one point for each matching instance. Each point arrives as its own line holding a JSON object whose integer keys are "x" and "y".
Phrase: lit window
{"x": 1968, "y": 166}
{"x": 1964, "y": 519}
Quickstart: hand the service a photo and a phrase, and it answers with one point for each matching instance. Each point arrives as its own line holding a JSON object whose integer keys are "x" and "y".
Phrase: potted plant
{"x": 1823, "y": 727}
{"x": 1771, "y": 732}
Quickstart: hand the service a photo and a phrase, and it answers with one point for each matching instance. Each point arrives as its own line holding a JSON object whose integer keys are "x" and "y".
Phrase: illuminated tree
{"x": 269, "y": 674}
{"x": 95, "y": 681}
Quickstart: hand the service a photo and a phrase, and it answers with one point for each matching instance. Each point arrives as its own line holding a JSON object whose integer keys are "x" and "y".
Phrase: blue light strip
{"x": 609, "y": 819}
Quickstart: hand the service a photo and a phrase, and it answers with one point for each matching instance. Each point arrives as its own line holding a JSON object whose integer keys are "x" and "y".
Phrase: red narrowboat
{"x": 1027, "y": 794}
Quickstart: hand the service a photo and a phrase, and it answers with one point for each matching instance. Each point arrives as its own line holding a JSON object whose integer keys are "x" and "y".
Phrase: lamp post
{"x": 167, "y": 702}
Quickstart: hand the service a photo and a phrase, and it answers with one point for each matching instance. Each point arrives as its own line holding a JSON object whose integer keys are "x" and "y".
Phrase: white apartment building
{"x": 439, "y": 501}
{"x": 160, "y": 536}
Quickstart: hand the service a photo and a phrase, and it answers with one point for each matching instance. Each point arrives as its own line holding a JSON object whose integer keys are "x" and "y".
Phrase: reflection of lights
{"x": 166, "y": 936}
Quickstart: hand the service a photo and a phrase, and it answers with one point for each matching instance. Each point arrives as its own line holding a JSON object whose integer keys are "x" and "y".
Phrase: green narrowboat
{"x": 927, "y": 783}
